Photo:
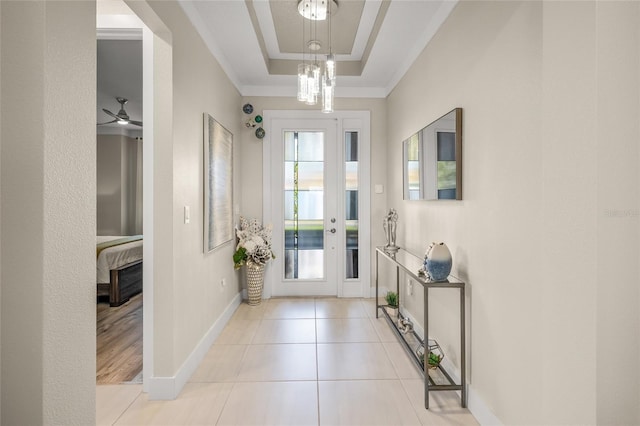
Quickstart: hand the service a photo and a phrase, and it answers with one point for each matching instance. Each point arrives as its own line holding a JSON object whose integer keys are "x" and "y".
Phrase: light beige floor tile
{"x": 197, "y": 404}
{"x": 238, "y": 332}
{"x": 272, "y": 403}
{"x": 345, "y": 361}
{"x": 444, "y": 407}
{"x": 113, "y": 400}
{"x": 286, "y": 331}
{"x": 346, "y": 330}
{"x": 290, "y": 308}
{"x": 279, "y": 362}
{"x": 340, "y": 308}
{"x": 220, "y": 364}
{"x": 370, "y": 305}
{"x": 405, "y": 367}
{"x": 365, "y": 402}
{"x": 383, "y": 329}
{"x": 247, "y": 312}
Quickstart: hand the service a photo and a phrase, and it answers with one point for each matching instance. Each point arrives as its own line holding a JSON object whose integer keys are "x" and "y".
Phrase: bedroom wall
{"x": 190, "y": 301}
{"x": 117, "y": 194}
{"x": 109, "y": 184}
{"x": 48, "y": 212}
{"x": 534, "y": 236}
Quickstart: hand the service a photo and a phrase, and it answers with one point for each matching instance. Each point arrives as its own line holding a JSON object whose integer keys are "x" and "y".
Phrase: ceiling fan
{"x": 121, "y": 117}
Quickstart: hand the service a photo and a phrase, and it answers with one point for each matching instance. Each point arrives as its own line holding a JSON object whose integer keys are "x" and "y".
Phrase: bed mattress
{"x": 115, "y": 257}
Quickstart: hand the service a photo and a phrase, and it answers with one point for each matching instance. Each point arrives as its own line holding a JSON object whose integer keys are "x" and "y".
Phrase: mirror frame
{"x": 422, "y": 175}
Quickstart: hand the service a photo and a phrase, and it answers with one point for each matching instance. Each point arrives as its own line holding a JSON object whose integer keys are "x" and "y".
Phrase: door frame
{"x": 346, "y": 120}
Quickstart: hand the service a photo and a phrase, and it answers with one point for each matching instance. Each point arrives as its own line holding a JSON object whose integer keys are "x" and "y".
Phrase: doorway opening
{"x": 119, "y": 158}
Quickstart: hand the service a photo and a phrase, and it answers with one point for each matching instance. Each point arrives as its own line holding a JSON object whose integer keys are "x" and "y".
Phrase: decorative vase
{"x": 255, "y": 283}
{"x": 438, "y": 262}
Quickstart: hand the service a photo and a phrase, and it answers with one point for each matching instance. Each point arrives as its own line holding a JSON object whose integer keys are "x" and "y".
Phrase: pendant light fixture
{"x": 316, "y": 78}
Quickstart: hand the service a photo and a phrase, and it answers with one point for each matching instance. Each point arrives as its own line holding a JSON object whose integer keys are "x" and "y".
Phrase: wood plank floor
{"x": 119, "y": 342}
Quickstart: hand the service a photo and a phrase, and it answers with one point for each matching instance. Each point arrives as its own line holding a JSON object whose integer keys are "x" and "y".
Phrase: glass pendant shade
{"x": 302, "y": 82}
{"x": 308, "y": 83}
{"x": 327, "y": 95}
{"x": 316, "y": 79}
{"x": 331, "y": 67}
{"x": 315, "y": 70}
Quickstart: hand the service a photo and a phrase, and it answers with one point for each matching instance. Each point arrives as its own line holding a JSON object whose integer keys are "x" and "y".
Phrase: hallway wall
{"x": 550, "y": 201}
{"x": 188, "y": 303}
{"x": 48, "y": 212}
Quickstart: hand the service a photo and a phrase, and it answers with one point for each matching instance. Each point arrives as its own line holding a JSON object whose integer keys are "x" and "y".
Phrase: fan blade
{"x": 111, "y": 114}
{"x": 108, "y": 122}
{"x": 135, "y": 123}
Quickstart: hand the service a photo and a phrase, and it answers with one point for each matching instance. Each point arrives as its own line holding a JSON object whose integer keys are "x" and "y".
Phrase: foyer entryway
{"x": 317, "y": 185}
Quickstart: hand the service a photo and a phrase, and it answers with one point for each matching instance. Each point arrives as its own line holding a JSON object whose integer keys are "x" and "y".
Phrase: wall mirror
{"x": 433, "y": 160}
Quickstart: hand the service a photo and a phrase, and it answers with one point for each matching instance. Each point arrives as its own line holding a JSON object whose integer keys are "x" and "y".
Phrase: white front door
{"x": 314, "y": 177}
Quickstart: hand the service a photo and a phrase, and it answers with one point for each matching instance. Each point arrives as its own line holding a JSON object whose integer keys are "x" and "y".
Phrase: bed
{"x": 119, "y": 267}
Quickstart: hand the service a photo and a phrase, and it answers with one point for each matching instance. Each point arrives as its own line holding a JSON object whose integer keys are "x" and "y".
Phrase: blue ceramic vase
{"x": 438, "y": 262}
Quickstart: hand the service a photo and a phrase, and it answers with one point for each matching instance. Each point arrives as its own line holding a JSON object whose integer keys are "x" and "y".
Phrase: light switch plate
{"x": 379, "y": 189}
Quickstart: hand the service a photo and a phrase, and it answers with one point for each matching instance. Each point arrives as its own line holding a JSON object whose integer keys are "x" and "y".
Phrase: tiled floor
{"x": 295, "y": 362}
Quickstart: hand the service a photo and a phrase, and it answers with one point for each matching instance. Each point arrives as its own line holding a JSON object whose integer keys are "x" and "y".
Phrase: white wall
{"x": 117, "y": 197}
{"x": 109, "y": 184}
{"x": 531, "y": 237}
{"x": 48, "y": 212}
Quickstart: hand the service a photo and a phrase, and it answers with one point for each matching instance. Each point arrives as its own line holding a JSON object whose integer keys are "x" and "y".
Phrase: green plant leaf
{"x": 239, "y": 257}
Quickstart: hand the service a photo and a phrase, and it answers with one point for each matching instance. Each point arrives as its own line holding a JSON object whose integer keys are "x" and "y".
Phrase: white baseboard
{"x": 479, "y": 409}
{"x": 167, "y": 388}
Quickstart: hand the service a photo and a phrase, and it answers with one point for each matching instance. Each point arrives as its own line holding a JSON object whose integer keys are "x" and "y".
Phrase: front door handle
{"x": 332, "y": 230}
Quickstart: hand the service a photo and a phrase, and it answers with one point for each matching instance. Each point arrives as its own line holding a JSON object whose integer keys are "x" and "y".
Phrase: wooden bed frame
{"x": 126, "y": 281}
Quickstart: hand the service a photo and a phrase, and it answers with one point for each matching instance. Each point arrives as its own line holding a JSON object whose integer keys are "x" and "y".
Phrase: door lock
{"x": 332, "y": 230}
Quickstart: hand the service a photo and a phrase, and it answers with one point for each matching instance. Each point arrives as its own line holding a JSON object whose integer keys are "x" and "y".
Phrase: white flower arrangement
{"x": 254, "y": 243}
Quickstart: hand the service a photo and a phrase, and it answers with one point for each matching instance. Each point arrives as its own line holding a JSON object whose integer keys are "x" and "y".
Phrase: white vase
{"x": 438, "y": 261}
{"x": 255, "y": 283}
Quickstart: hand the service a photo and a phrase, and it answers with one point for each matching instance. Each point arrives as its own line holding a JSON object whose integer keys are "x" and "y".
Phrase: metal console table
{"x": 439, "y": 380}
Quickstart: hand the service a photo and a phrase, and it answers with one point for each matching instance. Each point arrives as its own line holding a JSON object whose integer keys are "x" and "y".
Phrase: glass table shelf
{"x": 436, "y": 379}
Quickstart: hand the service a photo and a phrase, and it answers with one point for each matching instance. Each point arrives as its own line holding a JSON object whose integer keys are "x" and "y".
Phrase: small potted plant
{"x": 392, "y": 303}
{"x": 392, "y": 299}
{"x": 434, "y": 360}
{"x": 435, "y": 355}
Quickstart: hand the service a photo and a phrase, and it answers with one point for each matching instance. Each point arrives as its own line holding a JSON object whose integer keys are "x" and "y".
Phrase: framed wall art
{"x": 218, "y": 184}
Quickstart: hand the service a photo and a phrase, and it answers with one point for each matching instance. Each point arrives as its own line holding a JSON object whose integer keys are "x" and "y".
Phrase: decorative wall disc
{"x": 260, "y": 133}
{"x": 247, "y": 108}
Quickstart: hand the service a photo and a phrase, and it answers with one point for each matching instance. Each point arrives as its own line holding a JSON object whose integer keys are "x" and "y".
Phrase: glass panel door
{"x": 316, "y": 195}
{"x": 351, "y": 186}
{"x": 304, "y": 204}
{"x": 305, "y": 207}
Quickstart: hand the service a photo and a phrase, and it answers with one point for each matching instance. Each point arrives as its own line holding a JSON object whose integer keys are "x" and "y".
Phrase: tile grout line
{"x": 128, "y": 406}
{"x": 315, "y": 310}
